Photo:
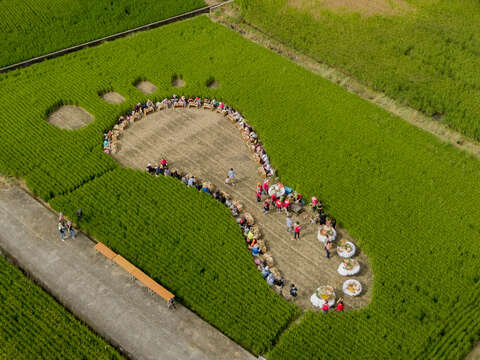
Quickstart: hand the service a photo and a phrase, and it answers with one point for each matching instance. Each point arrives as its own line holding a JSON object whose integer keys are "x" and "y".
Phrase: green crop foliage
{"x": 34, "y": 326}
{"x": 410, "y": 201}
{"x": 32, "y": 28}
{"x": 167, "y": 230}
{"x": 428, "y": 57}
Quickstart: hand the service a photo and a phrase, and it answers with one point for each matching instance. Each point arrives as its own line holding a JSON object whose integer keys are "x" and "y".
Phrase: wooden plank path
{"x": 146, "y": 280}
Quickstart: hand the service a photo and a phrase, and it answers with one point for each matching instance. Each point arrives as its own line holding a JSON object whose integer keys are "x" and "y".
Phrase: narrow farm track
{"x": 207, "y": 145}
{"x": 101, "y": 293}
{"x": 229, "y": 17}
{"x": 205, "y": 10}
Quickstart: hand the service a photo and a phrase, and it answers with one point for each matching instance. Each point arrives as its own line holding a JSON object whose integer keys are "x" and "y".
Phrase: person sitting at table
{"x": 270, "y": 279}
{"x": 166, "y": 172}
{"x": 197, "y": 185}
{"x": 265, "y": 270}
{"x": 184, "y": 180}
{"x": 150, "y": 169}
{"x": 158, "y": 170}
{"x": 198, "y": 101}
{"x": 191, "y": 181}
{"x": 234, "y": 211}
{"x": 256, "y": 250}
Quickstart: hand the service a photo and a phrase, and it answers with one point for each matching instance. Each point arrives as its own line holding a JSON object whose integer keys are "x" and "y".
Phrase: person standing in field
{"x": 297, "y": 230}
{"x": 259, "y": 195}
{"x": 293, "y": 291}
{"x": 70, "y": 229}
{"x": 61, "y": 230}
{"x": 328, "y": 246}
{"x": 230, "y": 177}
{"x": 289, "y": 224}
{"x": 266, "y": 206}
{"x": 325, "y": 307}
{"x": 340, "y": 305}
{"x": 265, "y": 187}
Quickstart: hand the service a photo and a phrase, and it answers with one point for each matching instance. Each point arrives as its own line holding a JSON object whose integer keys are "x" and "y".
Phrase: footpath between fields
{"x": 101, "y": 293}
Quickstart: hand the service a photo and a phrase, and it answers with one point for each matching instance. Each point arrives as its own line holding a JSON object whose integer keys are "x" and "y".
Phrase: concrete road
{"x": 100, "y": 292}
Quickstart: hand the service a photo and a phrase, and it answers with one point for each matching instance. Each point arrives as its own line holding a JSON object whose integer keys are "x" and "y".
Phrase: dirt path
{"x": 100, "y": 292}
{"x": 228, "y": 16}
{"x": 208, "y": 145}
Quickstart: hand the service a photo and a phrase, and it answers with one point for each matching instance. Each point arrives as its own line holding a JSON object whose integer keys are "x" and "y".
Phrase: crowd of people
{"x": 65, "y": 228}
{"x": 271, "y": 201}
{"x": 250, "y": 232}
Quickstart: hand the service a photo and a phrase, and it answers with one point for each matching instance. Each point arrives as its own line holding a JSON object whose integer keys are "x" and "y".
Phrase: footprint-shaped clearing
{"x": 207, "y": 144}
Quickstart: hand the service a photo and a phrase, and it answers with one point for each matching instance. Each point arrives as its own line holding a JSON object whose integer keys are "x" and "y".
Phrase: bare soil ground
{"x": 4, "y": 183}
{"x": 208, "y": 145}
{"x": 475, "y": 353}
{"x": 146, "y": 87}
{"x": 113, "y": 97}
{"x": 214, "y": 85}
{"x": 178, "y": 83}
{"x": 228, "y": 15}
{"x": 363, "y": 7}
{"x": 70, "y": 117}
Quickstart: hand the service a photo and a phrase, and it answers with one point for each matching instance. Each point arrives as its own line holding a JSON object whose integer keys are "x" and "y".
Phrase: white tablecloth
{"x": 348, "y": 292}
{"x": 279, "y": 191}
{"x": 323, "y": 238}
{"x": 344, "y": 272}
{"x": 344, "y": 254}
{"x": 317, "y": 302}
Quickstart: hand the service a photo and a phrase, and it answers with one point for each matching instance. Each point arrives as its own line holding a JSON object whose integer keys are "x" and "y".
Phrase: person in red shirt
{"x": 297, "y": 230}
{"x": 259, "y": 195}
{"x": 286, "y": 204}
{"x": 265, "y": 187}
{"x": 325, "y": 307}
{"x": 279, "y": 204}
{"x": 164, "y": 163}
{"x": 340, "y": 305}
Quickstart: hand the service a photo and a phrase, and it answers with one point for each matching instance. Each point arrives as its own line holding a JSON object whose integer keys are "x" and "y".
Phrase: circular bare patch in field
{"x": 113, "y": 97}
{"x": 146, "y": 87}
{"x": 207, "y": 145}
{"x": 212, "y": 83}
{"x": 70, "y": 117}
{"x": 178, "y": 83}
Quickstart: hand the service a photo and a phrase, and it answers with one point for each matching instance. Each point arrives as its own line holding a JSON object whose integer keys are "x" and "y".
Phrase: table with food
{"x": 346, "y": 249}
{"x": 326, "y": 233}
{"x": 323, "y": 293}
{"x": 352, "y": 287}
{"x": 348, "y": 267}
